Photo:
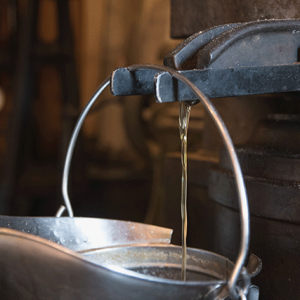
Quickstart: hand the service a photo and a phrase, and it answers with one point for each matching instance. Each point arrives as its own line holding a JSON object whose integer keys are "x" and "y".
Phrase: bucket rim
{"x": 127, "y": 272}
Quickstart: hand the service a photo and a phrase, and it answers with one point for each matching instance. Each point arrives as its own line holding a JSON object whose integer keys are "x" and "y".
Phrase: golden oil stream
{"x": 184, "y": 116}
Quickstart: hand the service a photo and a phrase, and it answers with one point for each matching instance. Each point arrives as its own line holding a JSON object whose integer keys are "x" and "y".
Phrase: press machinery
{"x": 264, "y": 128}
{"x": 256, "y": 62}
{"x": 235, "y": 55}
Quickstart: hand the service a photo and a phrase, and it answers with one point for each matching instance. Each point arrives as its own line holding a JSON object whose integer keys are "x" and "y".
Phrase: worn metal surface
{"x": 230, "y": 82}
{"x": 184, "y": 56}
{"x": 33, "y": 268}
{"x": 259, "y": 43}
{"x": 240, "y": 59}
{"x": 212, "y": 82}
{"x": 190, "y": 16}
{"x": 79, "y": 234}
{"x": 243, "y": 44}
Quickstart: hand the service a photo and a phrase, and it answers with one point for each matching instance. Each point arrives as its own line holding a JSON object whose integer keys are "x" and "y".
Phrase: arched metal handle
{"x": 72, "y": 143}
{"x": 243, "y": 202}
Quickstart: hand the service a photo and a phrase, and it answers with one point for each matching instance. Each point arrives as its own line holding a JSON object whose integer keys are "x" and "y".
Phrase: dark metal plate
{"x": 190, "y": 16}
{"x": 213, "y": 83}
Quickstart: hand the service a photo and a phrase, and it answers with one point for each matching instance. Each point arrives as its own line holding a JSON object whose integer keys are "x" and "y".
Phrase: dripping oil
{"x": 184, "y": 116}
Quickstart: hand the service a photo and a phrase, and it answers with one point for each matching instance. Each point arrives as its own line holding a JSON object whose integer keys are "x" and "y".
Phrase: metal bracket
{"x": 184, "y": 56}
{"x": 213, "y": 83}
{"x": 237, "y": 60}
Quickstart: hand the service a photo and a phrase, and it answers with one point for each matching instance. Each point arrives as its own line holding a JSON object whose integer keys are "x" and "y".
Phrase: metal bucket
{"x": 36, "y": 268}
{"x": 81, "y": 234}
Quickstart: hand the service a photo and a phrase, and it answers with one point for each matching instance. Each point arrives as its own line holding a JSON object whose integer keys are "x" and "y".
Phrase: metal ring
{"x": 243, "y": 202}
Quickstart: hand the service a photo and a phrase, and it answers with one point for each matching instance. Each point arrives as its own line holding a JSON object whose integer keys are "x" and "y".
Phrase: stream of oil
{"x": 184, "y": 116}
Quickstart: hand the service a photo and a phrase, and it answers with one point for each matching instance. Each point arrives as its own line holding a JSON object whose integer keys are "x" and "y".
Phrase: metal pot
{"x": 34, "y": 268}
{"x": 81, "y": 234}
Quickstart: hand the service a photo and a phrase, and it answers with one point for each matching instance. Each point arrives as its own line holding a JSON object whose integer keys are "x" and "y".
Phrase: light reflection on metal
{"x": 48, "y": 271}
{"x": 81, "y": 234}
{"x": 60, "y": 211}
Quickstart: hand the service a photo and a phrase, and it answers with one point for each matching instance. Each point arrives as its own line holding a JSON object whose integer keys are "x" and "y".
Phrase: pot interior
{"x": 164, "y": 261}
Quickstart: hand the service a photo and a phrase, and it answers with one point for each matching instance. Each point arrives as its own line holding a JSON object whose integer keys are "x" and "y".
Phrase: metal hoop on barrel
{"x": 242, "y": 197}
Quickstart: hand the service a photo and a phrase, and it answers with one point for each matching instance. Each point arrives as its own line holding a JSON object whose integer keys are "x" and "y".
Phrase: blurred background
{"x": 53, "y": 56}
